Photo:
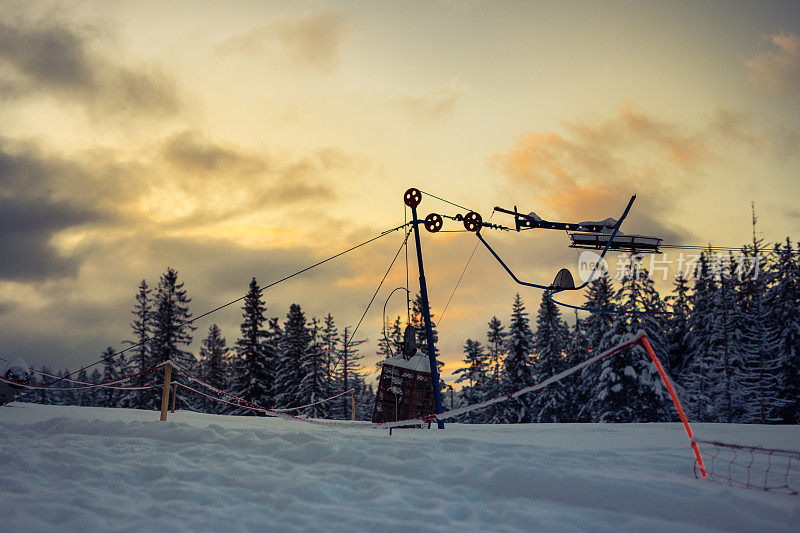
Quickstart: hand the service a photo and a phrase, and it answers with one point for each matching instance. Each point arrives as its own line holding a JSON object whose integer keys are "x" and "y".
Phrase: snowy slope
{"x": 93, "y": 469}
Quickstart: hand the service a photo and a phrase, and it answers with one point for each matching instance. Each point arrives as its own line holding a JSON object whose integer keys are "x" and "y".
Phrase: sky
{"x": 232, "y": 140}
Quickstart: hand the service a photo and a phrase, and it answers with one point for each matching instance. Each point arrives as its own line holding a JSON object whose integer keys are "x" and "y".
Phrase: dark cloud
{"x": 61, "y": 61}
{"x": 252, "y": 179}
{"x": 26, "y": 232}
{"x": 311, "y": 39}
{"x": 33, "y": 211}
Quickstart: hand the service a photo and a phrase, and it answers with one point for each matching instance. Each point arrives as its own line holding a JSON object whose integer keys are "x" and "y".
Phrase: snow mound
{"x": 78, "y": 468}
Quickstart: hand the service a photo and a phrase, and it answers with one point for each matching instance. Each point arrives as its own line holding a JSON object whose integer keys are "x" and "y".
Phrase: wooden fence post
{"x": 174, "y": 394}
{"x": 165, "y": 392}
{"x": 353, "y": 398}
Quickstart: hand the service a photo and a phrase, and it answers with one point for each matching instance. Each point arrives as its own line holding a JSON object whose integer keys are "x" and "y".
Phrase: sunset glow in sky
{"x": 239, "y": 139}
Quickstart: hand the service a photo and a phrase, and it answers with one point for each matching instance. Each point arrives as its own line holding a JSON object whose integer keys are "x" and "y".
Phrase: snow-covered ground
{"x": 94, "y": 469}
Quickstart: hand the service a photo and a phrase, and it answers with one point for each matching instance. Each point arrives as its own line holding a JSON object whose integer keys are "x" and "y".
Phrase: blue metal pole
{"x": 426, "y": 315}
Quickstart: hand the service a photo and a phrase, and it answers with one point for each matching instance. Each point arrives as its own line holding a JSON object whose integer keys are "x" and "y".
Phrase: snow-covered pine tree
{"x": 496, "y": 339}
{"x": 516, "y": 366}
{"x": 365, "y": 399}
{"x": 697, "y": 378}
{"x": 599, "y": 295}
{"x": 727, "y": 353}
{"x": 419, "y": 325}
{"x": 108, "y": 397}
{"x": 629, "y": 388}
{"x": 550, "y": 343}
{"x": 140, "y": 354}
{"x": 42, "y": 396}
{"x": 391, "y": 343}
{"x": 784, "y": 305}
{"x": 215, "y": 367}
{"x": 577, "y": 351}
{"x": 329, "y": 340}
{"x": 94, "y": 394}
{"x": 171, "y": 329}
{"x": 63, "y": 397}
{"x": 475, "y": 374}
{"x": 677, "y": 326}
{"x": 253, "y": 373}
{"x": 295, "y": 343}
{"x": 313, "y": 384}
{"x": 82, "y": 395}
{"x": 496, "y": 353}
{"x": 763, "y": 377}
{"x": 349, "y": 369}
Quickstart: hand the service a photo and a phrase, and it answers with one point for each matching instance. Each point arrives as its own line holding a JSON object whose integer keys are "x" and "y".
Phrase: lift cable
{"x": 223, "y": 306}
{"x": 405, "y": 240}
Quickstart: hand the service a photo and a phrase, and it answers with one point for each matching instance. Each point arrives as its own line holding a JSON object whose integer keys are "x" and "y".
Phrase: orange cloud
{"x": 777, "y": 70}
{"x": 589, "y": 170}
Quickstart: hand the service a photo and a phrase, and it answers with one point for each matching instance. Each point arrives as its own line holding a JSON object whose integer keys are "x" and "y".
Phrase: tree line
{"x": 273, "y": 364}
{"x": 728, "y": 337}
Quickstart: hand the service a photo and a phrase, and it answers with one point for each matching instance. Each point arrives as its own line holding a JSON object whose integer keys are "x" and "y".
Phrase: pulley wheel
{"x": 433, "y": 222}
{"x": 473, "y": 221}
{"x": 412, "y": 197}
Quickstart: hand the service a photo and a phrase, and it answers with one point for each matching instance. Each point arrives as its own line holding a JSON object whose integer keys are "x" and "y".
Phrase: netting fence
{"x": 751, "y": 467}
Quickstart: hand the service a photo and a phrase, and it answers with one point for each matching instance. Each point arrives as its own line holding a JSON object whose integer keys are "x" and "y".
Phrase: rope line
{"x": 88, "y": 386}
{"x": 446, "y": 201}
{"x": 353, "y": 335}
{"x": 186, "y": 322}
{"x": 466, "y": 266}
{"x": 54, "y": 376}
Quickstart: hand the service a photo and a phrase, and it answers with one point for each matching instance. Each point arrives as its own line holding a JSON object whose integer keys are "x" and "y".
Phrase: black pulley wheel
{"x": 433, "y": 222}
{"x": 412, "y": 197}
{"x": 473, "y": 221}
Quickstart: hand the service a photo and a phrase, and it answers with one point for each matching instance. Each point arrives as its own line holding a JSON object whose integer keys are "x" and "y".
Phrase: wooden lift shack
{"x": 404, "y": 390}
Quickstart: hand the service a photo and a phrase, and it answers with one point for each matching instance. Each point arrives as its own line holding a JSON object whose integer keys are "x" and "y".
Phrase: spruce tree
{"x": 629, "y": 388}
{"x": 313, "y": 385}
{"x": 475, "y": 374}
{"x": 140, "y": 354}
{"x": 727, "y": 354}
{"x": 171, "y": 330}
{"x": 108, "y": 398}
{"x": 697, "y": 376}
{"x": 329, "y": 339}
{"x": 350, "y": 367}
{"x": 94, "y": 394}
{"x": 254, "y": 375}
{"x": 600, "y": 297}
{"x": 784, "y": 305}
{"x": 516, "y": 366}
{"x": 677, "y": 326}
{"x": 763, "y": 378}
{"x": 550, "y": 343}
{"x": 295, "y": 344}
{"x": 215, "y": 367}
